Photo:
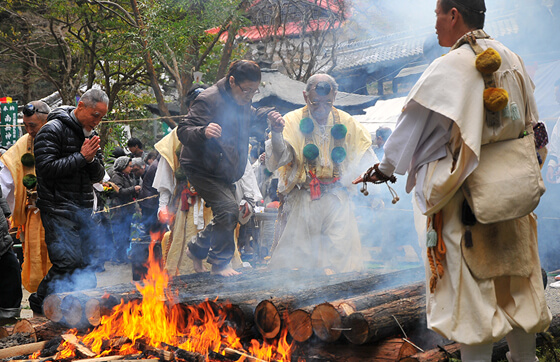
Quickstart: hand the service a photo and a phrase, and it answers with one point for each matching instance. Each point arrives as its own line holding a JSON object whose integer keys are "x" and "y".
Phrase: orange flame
{"x": 153, "y": 321}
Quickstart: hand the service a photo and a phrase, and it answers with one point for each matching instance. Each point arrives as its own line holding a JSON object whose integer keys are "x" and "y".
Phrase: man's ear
{"x": 305, "y": 96}
{"x": 454, "y": 13}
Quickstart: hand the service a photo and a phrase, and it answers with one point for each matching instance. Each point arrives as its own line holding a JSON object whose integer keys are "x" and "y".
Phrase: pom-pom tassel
{"x": 431, "y": 239}
{"x": 515, "y": 115}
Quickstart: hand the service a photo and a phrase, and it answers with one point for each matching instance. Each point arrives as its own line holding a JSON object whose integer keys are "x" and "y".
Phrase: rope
{"x": 112, "y": 121}
{"x": 107, "y": 209}
{"x": 436, "y": 253}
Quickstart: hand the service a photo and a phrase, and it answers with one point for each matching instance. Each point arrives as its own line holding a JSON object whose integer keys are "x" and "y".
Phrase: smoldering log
{"x": 21, "y": 350}
{"x": 268, "y": 319}
{"x": 23, "y": 326}
{"x": 311, "y": 288}
{"x": 384, "y": 321}
{"x": 80, "y": 310}
{"x": 299, "y": 325}
{"x": 326, "y": 322}
{"x": 51, "y": 307}
{"x": 312, "y": 291}
{"x": 185, "y": 355}
{"x": 3, "y": 332}
{"x": 365, "y": 301}
{"x": 299, "y": 320}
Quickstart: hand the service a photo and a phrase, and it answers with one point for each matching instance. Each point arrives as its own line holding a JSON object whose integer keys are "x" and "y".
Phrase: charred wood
{"x": 384, "y": 321}
{"x": 268, "y": 319}
{"x": 21, "y": 350}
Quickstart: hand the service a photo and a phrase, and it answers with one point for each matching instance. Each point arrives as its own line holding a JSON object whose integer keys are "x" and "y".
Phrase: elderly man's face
{"x": 90, "y": 117}
{"x": 320, "y": 106}
{"x": 33, "y": 124}
{"x": 137, "y": 170}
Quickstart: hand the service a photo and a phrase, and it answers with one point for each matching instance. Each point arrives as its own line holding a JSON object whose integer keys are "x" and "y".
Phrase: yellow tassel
{"x": 488, "y": 61}
{"x": 495, "y": 99}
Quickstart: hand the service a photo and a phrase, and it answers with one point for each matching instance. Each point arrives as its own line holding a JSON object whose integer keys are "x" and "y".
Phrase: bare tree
{"x": 42, "y": 45}
{"x": 301, "y": 34}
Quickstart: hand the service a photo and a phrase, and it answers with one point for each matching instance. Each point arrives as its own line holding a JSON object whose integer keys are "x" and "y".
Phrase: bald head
{"x": 319, "y": 95}
{"x": 35, "y": 116}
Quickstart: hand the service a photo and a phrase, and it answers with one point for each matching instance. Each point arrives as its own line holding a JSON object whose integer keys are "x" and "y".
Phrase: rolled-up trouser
{"x": 216, "y": 240}
{"x": 71, "y": 245}
{"x": 10, "y": 285}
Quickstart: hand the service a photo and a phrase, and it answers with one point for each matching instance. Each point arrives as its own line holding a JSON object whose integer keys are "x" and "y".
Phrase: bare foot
{"x": 225, "y": 271}
{"x": 197, "y": 263}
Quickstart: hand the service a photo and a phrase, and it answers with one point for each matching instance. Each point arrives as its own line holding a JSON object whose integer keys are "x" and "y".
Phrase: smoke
{"x": 529, "y": 28}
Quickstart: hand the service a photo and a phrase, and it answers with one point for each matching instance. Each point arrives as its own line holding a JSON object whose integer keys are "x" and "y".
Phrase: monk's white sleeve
{"x": 419, "y": 137}
{"x": 278, "y": 153}
{"x": 164, "y": 182}
{"x": 8, "y": 187}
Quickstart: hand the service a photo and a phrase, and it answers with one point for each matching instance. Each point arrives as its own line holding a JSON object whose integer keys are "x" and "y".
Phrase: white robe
{"x": 323, "y": 233}
{"x": 439, "y": 120}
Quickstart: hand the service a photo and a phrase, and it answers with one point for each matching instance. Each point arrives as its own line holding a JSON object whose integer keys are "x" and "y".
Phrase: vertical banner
{"x": 9, "y": 118}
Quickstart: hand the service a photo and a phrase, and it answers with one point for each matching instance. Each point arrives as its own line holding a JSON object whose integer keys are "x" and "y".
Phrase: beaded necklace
{"x": 311, "y": 151}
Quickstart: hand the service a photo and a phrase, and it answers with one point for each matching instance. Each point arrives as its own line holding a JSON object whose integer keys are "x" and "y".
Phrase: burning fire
{"x": 152, "y": 322}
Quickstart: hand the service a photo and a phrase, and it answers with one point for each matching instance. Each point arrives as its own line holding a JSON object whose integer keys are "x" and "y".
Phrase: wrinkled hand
{"x": 213, "y": 130}
{"x": 276, "y": 121}
{"x": 89, "y": 148}
{"x": 246, "y": 209}
{"x": 165, "y": 216}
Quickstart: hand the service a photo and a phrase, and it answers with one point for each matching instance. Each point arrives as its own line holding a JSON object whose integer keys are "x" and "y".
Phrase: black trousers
{"x": 71, "y": 247}
{"x": 216, "y": 241}
{"x": 10, "y": 285}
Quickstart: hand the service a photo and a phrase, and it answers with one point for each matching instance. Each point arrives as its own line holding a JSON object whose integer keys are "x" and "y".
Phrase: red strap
{"x": 187, "y": 198}
{"x": 315, "y": 185}
{"x": 315, "y": 189}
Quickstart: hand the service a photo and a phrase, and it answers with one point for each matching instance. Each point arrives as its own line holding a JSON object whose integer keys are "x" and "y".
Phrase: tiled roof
{"x": 325, "y": 4}
{"x": 376, "y": 51}
{"x": 279, "y": 86}
{"x": 254, "y": 33}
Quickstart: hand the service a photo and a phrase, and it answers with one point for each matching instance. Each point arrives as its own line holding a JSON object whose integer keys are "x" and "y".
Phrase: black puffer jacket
{"x": 64, "y": 177}
{"x": 225, "y": 157}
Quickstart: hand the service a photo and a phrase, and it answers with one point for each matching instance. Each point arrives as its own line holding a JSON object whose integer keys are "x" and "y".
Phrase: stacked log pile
{"x": 372, "y": 312}
{"x": 259, "y": 304}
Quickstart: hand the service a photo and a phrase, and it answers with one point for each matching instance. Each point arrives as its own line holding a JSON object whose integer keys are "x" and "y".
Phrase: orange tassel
{"x": 437, "y": 254}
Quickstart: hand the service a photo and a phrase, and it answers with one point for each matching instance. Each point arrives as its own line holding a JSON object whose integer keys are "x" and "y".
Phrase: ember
{"x": 153, "y": 324}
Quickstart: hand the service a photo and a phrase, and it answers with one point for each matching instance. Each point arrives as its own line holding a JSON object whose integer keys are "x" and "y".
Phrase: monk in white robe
{"x": 438, "y": 141}
{"x": 26, "y": 217}
{"x": 316, "y": 150}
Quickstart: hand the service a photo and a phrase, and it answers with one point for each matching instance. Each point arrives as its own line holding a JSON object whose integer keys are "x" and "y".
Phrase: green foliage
{"x": 129, "y": 107}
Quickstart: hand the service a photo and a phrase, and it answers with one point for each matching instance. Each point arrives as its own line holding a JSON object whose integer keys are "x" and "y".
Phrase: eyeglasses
{"x": 29, "y": 110}
{"x": 317, "y": 104}
{"x": 248, "y": 91}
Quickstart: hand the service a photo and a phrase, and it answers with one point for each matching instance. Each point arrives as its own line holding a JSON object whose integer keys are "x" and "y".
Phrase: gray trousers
{"x": 216, "y": 241}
